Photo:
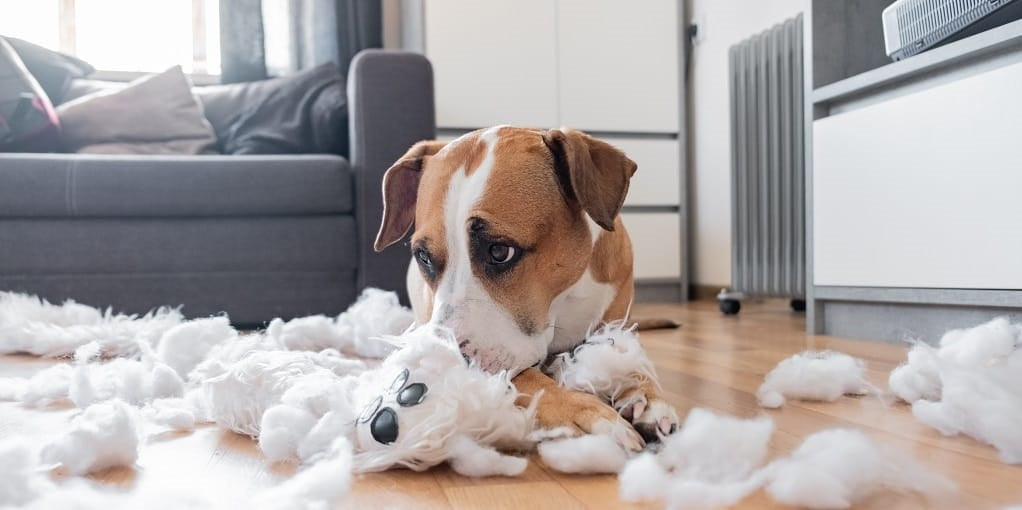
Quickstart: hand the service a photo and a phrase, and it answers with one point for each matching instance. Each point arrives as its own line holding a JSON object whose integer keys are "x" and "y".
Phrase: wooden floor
{"x": 713, "y": 361}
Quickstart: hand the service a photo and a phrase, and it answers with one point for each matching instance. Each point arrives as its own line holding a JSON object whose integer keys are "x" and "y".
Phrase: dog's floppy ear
{"x": 591, "y": 171}
{"x": 400, "y": 189}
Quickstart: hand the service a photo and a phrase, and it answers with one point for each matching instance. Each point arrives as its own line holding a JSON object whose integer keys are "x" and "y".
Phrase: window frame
{"x": 68, "y": 37}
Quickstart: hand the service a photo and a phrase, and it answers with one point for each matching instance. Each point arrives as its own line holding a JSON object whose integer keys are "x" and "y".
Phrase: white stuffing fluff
{"x": 34, "y": 326}
{"x": 813, "y": 375}
{"x": 102, "y": 436}
{"x": 176, "y": 414}
{"x": 13, "y": 388}
{"x": 917, "y": 379}
{"x": 358, "y": 330}
{"x": 644, "y": 479}
{"x": 716, "y": 461}
{"x": 840, "y": 467}
{"x": 20, "y": 477}
{"x": 134, "y": 382}
{"x": 711, "y": 462}
{"x": 317, "y": 486}
{"x": 50, "y": 385}
{"x": 584, "y": 454}
{"x": 971, "y": 384}
{"x": 610, "y": 361}
{"x": 469, "y": 458}
{"x": 184, "y": 346}
{"x": 976, "y": 404}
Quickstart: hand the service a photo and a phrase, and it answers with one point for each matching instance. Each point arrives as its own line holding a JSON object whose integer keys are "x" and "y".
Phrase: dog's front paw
{"x": 573, "y": 414}
{"x": 651, "y": 415}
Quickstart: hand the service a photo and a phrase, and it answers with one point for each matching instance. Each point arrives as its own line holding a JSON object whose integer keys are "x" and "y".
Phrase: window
{"x": 125, "y": 36}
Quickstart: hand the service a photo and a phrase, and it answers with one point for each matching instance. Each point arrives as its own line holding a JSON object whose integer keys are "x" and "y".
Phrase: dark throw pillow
{"x": 304, "y": 113}
{"x": 28, "y": 122}
{"x": 53, "y": 70}
{"x": 156, "y": 114}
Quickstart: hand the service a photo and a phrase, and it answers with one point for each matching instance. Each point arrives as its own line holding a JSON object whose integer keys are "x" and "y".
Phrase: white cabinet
{"x": 657, "y": 181}
{"x": 619, "y": 65}
{"x": 656, "y": 244}
{"x": 494, "y": 62}
{"x": 922, "y": 190}
{"x": 597, "y": 65}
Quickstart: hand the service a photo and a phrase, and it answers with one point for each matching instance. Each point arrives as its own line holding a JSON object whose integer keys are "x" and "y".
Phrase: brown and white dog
{"x": 519, "y": 250}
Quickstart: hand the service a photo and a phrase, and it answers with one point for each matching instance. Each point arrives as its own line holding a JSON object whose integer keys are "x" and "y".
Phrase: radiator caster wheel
{"x": 799, "y": 305}
{"x": 730, "y": 306}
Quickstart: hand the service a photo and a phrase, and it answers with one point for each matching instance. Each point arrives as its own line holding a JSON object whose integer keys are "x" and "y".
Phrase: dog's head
{"x": 504, "y": 221}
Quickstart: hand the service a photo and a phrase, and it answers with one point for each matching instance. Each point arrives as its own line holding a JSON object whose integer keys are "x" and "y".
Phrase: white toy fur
{"x": 450, "y": 425}
{"x": 813, "y": 375}
{"x": 609, "y": 362}
{"x": 971, "y": 384}
{"x": 34, "y": 326}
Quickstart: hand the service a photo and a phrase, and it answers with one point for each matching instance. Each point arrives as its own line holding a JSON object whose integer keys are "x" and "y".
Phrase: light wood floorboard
{"x": 713, "y": 361}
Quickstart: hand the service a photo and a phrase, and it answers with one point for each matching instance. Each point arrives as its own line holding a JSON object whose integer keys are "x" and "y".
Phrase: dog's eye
{"x": 423, "y": 257}
{"x": 502, "y": 253}
{"x": 384, "y": 426}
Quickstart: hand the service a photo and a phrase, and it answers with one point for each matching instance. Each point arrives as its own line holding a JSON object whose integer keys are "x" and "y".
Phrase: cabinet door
{"x": 657, "y": 181}
{"x": 619, "y": 65}
{"x": 494, "y": 62}
{"x": 656, "y": 244}
{"x": 922, "y": 190}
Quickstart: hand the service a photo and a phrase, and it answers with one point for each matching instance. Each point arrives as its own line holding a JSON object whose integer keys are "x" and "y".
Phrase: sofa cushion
{"x": 305, "y": 112}
{"x": 58, "y": 185}
{"x": 28, "y": 122}
{"x": 156, "y": 114}
{"x": 53, "y": 70}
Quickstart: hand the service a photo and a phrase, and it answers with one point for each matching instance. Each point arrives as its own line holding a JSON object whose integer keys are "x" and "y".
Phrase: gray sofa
{"x": 256, "y": 237}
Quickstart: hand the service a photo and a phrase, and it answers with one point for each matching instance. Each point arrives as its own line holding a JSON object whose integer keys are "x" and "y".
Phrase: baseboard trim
{"x": 658, "y": 292}
{"x": 704, "y": 292}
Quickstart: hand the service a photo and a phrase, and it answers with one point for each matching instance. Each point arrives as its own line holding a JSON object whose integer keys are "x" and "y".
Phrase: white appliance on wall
{"x": 608, "y": 67}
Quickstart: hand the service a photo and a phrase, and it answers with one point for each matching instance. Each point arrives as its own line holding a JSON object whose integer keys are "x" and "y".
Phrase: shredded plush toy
{"x": 410, "y": 411}
{"x": 357, "y": 392}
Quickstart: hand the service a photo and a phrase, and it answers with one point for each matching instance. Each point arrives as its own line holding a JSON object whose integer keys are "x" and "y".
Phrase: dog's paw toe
{"x": 657, "y": 420}
{"x": 624, "y": 434}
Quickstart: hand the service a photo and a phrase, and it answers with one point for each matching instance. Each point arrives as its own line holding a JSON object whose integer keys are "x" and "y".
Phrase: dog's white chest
{"x": 577, "y": 310}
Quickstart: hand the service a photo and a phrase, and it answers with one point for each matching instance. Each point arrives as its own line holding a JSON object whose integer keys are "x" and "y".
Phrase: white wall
{"x": 722, "y": 24}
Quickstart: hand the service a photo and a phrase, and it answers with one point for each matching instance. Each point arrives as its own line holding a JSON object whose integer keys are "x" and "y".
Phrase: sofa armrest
{"x": 390, "y": 101}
